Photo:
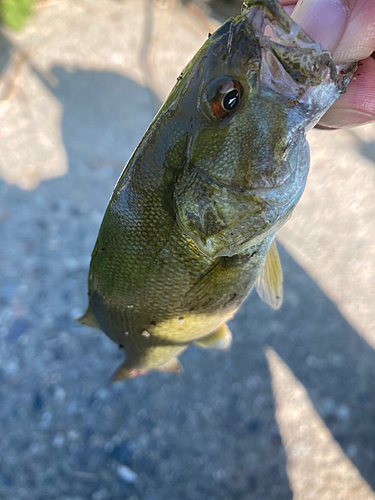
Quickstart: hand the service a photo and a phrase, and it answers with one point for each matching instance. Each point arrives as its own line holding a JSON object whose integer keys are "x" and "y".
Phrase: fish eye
{"x": 231, "y": 99}
{"x": 224, "y": 97}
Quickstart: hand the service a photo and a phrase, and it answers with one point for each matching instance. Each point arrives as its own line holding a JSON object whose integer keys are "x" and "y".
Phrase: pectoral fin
{"x": 88, "y": 319}
{"x": 269, "y": 284}
{"x": 221, "y": 338}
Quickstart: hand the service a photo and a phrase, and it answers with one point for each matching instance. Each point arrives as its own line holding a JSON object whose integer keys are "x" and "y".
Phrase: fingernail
{"x": 323, "y": 20}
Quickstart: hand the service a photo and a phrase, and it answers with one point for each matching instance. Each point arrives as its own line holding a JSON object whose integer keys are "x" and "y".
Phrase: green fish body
{"x": 190, "y": 225}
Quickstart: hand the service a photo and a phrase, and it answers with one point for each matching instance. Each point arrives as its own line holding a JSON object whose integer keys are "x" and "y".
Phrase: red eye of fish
{"x": 227, "y": 99}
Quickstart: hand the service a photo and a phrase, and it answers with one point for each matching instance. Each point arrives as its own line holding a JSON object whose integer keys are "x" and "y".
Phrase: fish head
{"x": 252, "y": 96}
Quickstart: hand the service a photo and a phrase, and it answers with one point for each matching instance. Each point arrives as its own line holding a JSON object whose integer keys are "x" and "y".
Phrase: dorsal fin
{"x": 269, "y": 284}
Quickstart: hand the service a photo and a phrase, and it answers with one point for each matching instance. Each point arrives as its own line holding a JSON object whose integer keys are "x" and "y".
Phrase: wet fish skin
{"x": 193, "y": 215}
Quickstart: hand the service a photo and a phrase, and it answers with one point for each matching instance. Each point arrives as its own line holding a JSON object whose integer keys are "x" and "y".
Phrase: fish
{"x": 190, "y": 226}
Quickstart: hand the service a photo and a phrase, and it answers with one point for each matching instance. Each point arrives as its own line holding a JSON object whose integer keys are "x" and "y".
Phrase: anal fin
{"x": 172, "y": 365}
{"x": 269, "y": 284}
{"x": 221, "y": 338}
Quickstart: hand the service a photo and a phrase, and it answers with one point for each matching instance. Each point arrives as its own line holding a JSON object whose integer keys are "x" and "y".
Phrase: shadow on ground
{"x": 365, "y": 148}
{"x": 104, "y": 114}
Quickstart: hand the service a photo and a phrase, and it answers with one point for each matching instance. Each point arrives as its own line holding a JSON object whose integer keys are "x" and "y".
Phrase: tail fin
{"x": 127, "y": 370}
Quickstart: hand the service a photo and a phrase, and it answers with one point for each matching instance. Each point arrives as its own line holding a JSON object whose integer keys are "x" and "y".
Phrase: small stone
{"x": 351, "y": 450}
{"x": 102, "y": 394}
{"x": 313, "y": 361}
{"x": 337, "y": 360}
{"x": 46, "y": 420}
{"x": 126, "y": 474}
{"x": 220, "y": 474}
{"x": 145, "y": 333}
{"x": 11, "y": 368}
{"x": 343, "y": 412}
{"x": 73, "y": 435}
{"x": 58, "y": 441}
{"x": 109, "y": 447}
{"x": 292, "y": 298}
{"x": 100, "y": 495}
{"x": 60, "y": 394}
{"x": 329, "y": 406}
{"x": 35, "y": 448}
{"x": 23, "y": 289}
{"x": 253, "y": 382}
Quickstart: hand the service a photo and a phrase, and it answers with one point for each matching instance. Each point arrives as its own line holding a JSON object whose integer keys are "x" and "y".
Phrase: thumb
{"x": 324, "y": 20}
{"x": 345, "y": 27}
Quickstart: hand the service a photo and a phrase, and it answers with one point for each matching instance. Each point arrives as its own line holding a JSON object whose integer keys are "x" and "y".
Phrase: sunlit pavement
{"x": 287, "y": 412}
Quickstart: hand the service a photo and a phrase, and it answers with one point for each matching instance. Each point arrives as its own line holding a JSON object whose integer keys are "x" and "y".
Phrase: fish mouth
{"x": 292, "y": 63}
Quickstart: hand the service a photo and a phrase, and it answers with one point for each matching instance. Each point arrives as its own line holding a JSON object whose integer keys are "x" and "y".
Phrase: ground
{"x": 288, "y": 411}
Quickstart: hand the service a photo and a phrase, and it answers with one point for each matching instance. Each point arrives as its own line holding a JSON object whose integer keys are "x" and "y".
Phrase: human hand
{"x": 347, "y": 29}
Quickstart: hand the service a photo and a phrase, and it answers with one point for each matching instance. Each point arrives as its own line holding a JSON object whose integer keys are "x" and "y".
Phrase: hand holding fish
{"x": 347, "y": 29}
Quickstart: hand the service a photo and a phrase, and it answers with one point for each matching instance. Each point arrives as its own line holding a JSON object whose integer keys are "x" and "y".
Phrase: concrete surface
{"x": 287, "y": 412}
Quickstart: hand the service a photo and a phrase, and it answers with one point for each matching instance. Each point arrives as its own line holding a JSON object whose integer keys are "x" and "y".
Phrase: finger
{"x": 288, "y": 5}
{"x": 324, "y": 20}
{"x": 346, "y": 27}
{"x": 357, "y": 105}
{"x": 358, "y": 40}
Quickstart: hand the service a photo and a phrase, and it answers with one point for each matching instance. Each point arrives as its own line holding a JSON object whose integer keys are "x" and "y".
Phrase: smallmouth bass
{"x": 189, "y": 229}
